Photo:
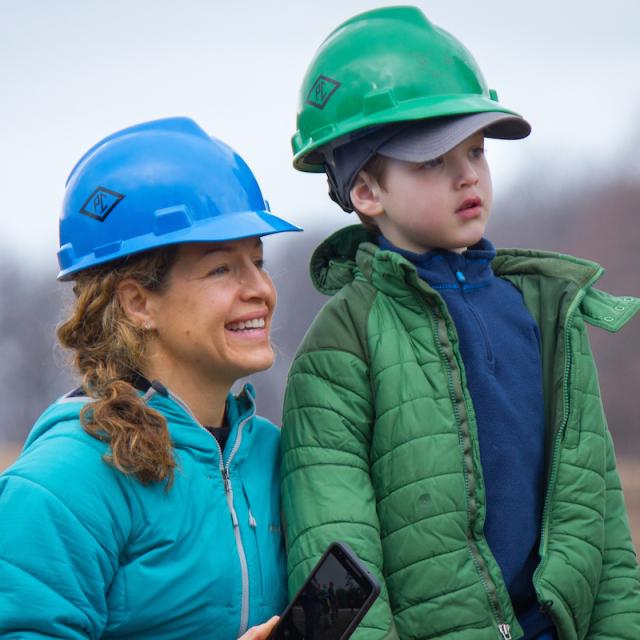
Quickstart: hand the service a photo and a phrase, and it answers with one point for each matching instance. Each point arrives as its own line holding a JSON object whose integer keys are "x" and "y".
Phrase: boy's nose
{"x": 467, "y": 175}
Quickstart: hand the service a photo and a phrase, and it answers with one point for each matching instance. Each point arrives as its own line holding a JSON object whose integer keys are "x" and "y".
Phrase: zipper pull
{"x": 226, "y": 480}
{"x": 505, "y": 631}
{"x": 460, "y": 277}
{"x": 252, "y": 520}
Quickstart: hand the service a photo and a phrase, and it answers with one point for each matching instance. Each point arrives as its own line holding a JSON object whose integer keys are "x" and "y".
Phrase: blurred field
{"x": 630, "y": 473}
{"x": 629, "y": 470}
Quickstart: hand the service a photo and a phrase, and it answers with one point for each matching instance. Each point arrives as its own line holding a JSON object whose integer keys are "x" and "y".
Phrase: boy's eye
{"x": 432, "y": 164}
{"x": 477, "y": 152}
{"x": 259, "y": 263}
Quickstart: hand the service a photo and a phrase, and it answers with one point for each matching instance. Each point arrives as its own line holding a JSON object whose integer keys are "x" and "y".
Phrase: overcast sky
{"x": 73, "y": 71}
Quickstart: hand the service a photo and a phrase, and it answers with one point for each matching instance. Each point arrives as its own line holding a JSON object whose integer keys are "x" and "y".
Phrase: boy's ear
{"x": 134, "y": 300}
{"x": 365, "y": 195}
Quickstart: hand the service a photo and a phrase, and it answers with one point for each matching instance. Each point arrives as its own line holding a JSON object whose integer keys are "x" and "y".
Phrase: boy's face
{"x": 440, "y": 204}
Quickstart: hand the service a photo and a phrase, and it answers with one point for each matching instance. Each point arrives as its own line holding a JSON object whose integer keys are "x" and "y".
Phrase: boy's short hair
{"x": 376, "y": 167}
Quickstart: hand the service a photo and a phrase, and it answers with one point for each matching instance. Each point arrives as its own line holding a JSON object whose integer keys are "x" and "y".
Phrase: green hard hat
{"x": 384, "y": 66}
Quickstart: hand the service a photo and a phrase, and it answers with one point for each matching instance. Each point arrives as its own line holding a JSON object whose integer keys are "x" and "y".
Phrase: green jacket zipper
{"x": 465, "y": 442}
{"x": 560, "y": 433}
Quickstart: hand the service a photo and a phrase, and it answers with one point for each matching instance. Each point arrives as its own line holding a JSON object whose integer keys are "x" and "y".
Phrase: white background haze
{"x": 73, "y": 71}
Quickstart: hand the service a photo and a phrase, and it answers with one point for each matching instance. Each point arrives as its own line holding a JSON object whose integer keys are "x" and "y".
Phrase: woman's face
{"x": 212, "y": 320}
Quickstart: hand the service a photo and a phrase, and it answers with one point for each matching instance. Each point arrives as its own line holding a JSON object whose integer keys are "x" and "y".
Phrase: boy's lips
{"x": 470, "y": 208}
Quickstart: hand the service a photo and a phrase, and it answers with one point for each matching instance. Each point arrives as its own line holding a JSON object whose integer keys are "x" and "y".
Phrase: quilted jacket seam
{"x": 433, "y": 557}
{"x": 581, "y": 504}
{"x": 409, "y": 484}
{"x": 111, "y": 554}
{"x": 388, "y": 534}
{"x": 411, "y": 441}
{"x": 387, "y": 576}
{"x": 442, "y": 594}
{"x": 293, "y": 541}
{"x": 320, "y": 464}
{"x": 31, "y": 575}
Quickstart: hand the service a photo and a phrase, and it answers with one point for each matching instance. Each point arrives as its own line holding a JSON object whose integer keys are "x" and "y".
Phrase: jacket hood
{"x": 62, "y": 410}
{"x": 353, "y": 252}
{"x": 333, "y": 263}
{"x": 184, "y": 429}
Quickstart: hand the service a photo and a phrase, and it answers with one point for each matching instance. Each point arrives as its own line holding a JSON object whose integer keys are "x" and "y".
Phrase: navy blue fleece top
{"x": 500, "y": 349}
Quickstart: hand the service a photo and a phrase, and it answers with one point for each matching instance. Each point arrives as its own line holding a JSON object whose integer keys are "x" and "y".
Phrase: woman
{"x": 145, "y": 503}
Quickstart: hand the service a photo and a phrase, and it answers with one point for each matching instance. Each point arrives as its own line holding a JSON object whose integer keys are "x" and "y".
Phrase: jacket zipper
{"x": 487, "y": 582}
{"x": 558, "y": 437}
{"x": 228, "y": 490}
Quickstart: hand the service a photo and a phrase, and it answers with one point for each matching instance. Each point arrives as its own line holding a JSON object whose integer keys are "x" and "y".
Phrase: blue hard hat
{"x": 155, "y": 184}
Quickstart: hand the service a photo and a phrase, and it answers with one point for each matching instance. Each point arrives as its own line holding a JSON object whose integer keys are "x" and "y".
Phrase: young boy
{"x": 443, "y": 414}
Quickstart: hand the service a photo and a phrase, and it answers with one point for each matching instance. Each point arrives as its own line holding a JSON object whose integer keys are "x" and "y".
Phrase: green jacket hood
{"x": 353, "y": 250}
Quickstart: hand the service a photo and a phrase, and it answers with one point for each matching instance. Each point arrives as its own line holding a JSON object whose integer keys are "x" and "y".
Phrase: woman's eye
{"x": 477, "y": 152}
{"x": 219, "y": 271}
{"x": 259, "y": 263}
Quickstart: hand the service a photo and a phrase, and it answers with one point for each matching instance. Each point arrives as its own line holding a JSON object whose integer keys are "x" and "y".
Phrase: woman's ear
{"x": 134, "y": 300}
{"x": 365, "y": 195}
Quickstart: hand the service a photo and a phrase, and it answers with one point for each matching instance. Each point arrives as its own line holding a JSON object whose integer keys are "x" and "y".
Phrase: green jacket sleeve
{"x": 326, "y": 484}
{"x": 616, "y": 614}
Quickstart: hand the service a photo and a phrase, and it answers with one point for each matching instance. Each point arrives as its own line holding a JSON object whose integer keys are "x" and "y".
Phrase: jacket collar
{"x": 185, "y": 431}
{"x": 443, "y": 269}
{"x": 353, "y": 252}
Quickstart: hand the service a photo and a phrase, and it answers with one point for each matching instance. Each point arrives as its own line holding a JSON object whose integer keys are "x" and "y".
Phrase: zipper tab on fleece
{"x": 505, "y": 631}
{"x": 460, "y": 277}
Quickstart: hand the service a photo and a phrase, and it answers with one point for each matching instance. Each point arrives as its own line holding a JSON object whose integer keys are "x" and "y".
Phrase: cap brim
{"x": 426, "y": 140}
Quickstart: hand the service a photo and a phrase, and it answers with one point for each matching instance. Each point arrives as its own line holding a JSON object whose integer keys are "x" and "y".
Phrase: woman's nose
{"x": 256, "y": 283}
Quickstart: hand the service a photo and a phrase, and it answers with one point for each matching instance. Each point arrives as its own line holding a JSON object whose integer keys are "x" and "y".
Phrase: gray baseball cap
{"x": 413, "y": 141}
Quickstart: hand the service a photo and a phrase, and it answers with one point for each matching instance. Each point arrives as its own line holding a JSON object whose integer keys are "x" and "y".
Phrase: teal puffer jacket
{"x": 87, "y": 552}
{"x": 380, "y": 449}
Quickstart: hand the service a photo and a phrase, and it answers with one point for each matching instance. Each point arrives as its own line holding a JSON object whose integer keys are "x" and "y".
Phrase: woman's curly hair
{"x": 107, "y": 351}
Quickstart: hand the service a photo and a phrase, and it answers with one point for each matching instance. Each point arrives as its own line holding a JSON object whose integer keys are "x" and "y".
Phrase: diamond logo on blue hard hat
{"x": 101, "y": 203}
{"x": 323, "y": 88}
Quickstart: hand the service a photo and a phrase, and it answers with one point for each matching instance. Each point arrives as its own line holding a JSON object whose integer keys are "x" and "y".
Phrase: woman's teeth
{"x": 257, "y": 323}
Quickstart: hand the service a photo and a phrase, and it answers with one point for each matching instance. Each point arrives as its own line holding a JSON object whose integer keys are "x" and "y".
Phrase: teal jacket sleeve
{"x": 326, "y": 483}
{"x": 60, "y": 530}
{"x": 616, "y": 613}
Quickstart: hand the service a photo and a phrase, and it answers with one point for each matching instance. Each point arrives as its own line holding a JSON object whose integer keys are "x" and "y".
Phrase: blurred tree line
{"x": 594, "y": 219}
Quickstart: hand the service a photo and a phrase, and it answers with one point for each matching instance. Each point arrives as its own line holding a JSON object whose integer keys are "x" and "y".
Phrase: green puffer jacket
{"x": 380, "y": 450}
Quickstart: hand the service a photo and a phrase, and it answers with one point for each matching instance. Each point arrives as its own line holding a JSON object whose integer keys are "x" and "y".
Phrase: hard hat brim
{"x": 245, "y": 224}
{"x": 308, "y": 153}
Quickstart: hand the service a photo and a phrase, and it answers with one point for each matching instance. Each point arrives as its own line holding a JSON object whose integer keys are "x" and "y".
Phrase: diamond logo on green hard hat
{"x": 323, "y": 88}
{"x": 101, "y": 203}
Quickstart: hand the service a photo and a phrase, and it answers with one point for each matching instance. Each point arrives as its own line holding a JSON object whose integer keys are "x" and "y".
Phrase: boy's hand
{"x": 262, "y": 631}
